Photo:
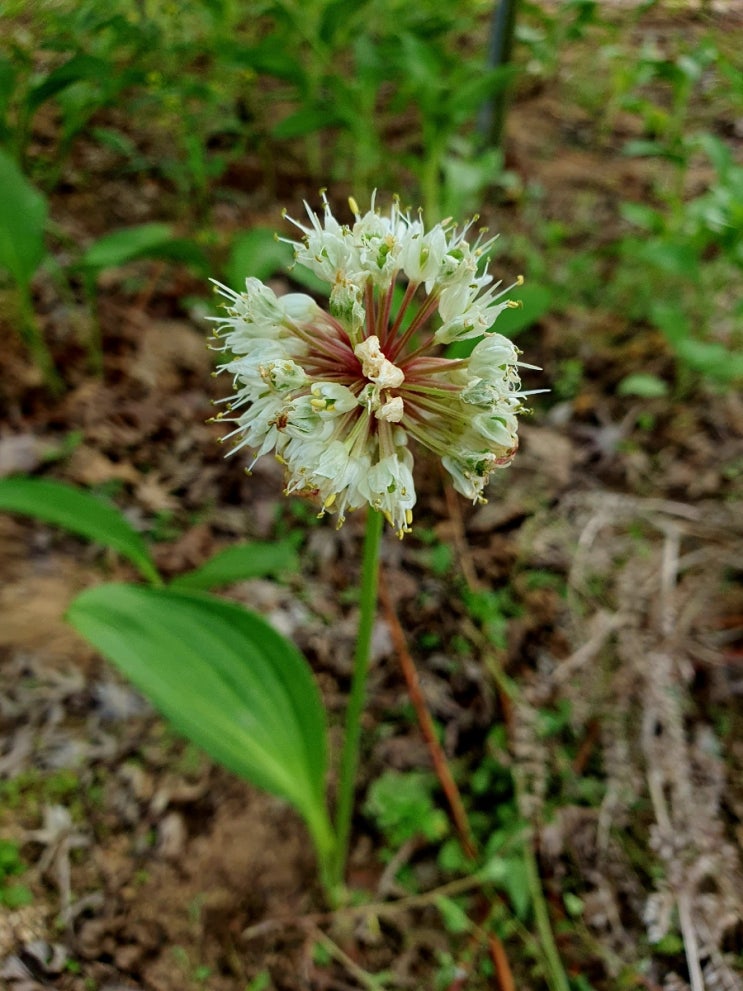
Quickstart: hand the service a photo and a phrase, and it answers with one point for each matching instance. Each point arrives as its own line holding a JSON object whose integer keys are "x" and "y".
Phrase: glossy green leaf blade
{"x": 225, "y": 679}
{"x": 23, "y": 212}
{"x": 237, "y": 563}
{"x": 80, "y": 513}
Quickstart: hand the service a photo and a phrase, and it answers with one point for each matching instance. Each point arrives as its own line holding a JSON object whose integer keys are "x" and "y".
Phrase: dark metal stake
{"x": 492, "y": 117}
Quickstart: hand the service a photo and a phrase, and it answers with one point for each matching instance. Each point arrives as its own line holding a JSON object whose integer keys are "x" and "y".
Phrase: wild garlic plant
{"x": 338, "y": 393}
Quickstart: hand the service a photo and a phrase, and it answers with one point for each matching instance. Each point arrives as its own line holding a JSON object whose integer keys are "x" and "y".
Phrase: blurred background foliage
{"x": 207, "y": 100}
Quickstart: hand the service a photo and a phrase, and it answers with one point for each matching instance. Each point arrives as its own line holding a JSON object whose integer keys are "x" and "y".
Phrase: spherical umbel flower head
{"x": 338, "y": 393}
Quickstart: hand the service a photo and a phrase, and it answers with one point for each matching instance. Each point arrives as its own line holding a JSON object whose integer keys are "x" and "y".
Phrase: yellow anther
{"x": 519, "y": 280}
{"x": 354, "y": 205}
{"x": 330, "y": 500}
{"x": 514, "y": 304}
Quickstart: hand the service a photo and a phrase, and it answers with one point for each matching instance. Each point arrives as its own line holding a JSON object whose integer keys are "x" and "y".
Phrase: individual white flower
{"x": 326, "y": 249}
{"x": 423, "y": 253}
{"x": 337, "y": 395}
{"x": 389, "y": 486}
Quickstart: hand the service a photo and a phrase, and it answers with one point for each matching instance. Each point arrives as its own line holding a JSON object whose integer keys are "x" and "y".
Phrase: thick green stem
{"x": 352, "y": 736}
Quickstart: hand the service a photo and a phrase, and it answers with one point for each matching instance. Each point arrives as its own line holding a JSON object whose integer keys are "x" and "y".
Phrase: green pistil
{"x": 384, "y": 250}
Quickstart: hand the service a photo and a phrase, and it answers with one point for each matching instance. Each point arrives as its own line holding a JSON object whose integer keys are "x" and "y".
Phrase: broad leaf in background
{"x": 259, "y": 254}
{"x": 80, "y": 513}
{"x": 710, "y": 358}
{"x": 644, "y": 385}
{"x": 143, "y": 241}
{"x": 306, "y": 121}
{"x": 226, "y": 680}
{"x": 237, "y": 563}
{"x": 23, "y": 212}
{"x": 535, "y": 301}
{"x": 77, "y": 68}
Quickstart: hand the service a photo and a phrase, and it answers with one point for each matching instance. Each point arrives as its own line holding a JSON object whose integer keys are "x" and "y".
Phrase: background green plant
{"x": 223, "y": 677}
{"x": 13, "y": 894}
{"x": 384, "y": 94}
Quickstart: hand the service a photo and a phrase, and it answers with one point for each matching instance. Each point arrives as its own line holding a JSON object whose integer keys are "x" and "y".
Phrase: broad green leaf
{"x": 674, "y": 257}
{"x": 270, "y": 58}
{"x": 79, "y": 67}
{"x": 225, "y": 679}
{"x": 306, "y": 278}
{"x": 711, "y": 358}
{"x": 642, "y": 384}
{"x": 535, "y": 302}
{"x": 643, "y": 148}
{"x": 258, "y": 254}
{"x": 671, "y": 320}
{"x": 304, "y": 122}
{"x": 23, "y": 213}
{"x": 510, "y": 874}
{"x": 646, "y": 217}
{"x": 79, "y": 512}
{"x": 143, "y": 241}
{"x": 235, "y": 564}
{"x": 455, "y": 918}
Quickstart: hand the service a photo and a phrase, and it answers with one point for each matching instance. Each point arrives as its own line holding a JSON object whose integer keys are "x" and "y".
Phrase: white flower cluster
{"x": 337, "y": 394}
